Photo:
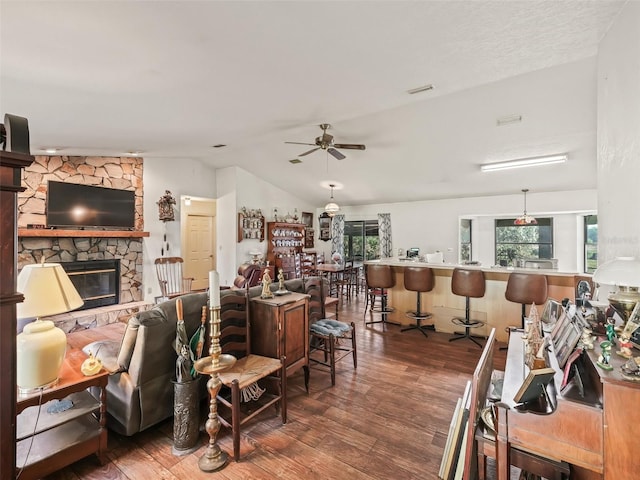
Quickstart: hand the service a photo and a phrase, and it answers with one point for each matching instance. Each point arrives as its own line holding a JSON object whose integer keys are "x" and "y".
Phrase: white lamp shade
{"x": 47, "y": 291}
{"x": 621, "y": 272}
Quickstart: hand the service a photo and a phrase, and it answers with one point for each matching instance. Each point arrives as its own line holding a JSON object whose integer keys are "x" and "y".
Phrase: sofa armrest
{"x": 107, "y": 352}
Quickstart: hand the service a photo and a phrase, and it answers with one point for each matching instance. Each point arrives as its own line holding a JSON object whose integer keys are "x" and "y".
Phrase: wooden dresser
{"x": 280, "y": 326}
{"x": 596, "y": 432}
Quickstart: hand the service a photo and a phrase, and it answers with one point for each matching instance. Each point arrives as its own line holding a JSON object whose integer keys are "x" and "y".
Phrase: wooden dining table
{"x": 332, "y": 272}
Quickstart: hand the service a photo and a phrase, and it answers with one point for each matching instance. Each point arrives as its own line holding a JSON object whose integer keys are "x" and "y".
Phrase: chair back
{"x": 234, "y": 323}
{"x": 418, "y": 279}
{"x": 468, "y": 283}
{"x": 379, "y": 276}
{"x": 314, "y": 287}
{"x": 170, "y": 277}
{"x": 526, "y": 288}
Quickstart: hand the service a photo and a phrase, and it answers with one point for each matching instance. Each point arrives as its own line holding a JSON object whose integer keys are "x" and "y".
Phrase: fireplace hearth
{"x": 97, "y": 281}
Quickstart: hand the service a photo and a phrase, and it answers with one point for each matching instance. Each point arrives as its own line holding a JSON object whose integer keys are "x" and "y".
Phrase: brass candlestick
{"x": 213, "y": 458}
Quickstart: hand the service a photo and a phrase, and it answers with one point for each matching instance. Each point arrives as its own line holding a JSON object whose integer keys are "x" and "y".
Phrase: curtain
{"x": 384, "y": 235}
{"x": 337, "y": 235}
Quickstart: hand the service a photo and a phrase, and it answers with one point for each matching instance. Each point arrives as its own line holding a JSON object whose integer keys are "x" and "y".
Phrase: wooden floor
{"x": 388, "y": 419}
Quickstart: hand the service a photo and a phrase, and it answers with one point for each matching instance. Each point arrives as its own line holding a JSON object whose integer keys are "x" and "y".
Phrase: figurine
{"x": 610, "y": 330}
{"x": 625, "y": 346}
{"x": 266, "y": 283}
{"x": 605, "y": 356}
{"x": 281, "y": 280}
{"x": 587, "y": 339}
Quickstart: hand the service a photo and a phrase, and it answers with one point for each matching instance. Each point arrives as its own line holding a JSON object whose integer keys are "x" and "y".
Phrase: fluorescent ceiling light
{"x": 423, "y": 88}
{"x": 524, "y": 162}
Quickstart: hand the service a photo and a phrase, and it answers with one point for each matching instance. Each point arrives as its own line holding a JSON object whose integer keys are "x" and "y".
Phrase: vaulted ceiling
{"x": 173, "y": 78}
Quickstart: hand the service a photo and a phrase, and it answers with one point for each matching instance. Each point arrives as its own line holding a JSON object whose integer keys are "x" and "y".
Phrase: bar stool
{"x": 526, "y": 288}
{"x": 469, "y": 284}
{"x": 418, "y": 279}
{"x": 379, "y": 278}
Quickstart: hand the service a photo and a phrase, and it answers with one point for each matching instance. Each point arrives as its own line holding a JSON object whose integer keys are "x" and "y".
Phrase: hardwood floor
{"x": 389, "y": 418}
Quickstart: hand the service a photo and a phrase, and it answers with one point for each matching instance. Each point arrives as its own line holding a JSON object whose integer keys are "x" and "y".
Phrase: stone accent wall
{"x": 115, "y": 172}
{"x": 124, "y": 173}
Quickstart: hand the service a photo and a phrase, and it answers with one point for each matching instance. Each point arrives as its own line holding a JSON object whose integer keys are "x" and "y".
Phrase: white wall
{"x": 619, "y": 137}
{"x": 180, "y": 177}
{"x": 433, "y": 225}
{"x": 238, "y": 188}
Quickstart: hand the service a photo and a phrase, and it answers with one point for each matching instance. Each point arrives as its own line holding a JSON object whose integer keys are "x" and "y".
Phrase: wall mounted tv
{"x": 79, "y": 206}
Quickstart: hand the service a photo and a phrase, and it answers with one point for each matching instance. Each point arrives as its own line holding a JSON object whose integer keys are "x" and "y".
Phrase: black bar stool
{"x": 379, "y": 278}
{"x": 418, "y": 279}
{"x": 469, "y": 284}
{"x": 526, "y": 288}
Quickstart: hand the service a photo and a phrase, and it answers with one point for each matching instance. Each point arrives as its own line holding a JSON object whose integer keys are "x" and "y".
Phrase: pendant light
{"x": 331, "y": 208}
{"x": 525, "y": 219}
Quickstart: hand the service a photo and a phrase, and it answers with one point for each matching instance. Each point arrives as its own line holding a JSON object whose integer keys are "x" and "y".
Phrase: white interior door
{"x": 198, "y": 246}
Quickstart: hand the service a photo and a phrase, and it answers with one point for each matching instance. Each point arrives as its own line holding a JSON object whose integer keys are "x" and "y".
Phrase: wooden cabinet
{"x": 280, "y": 326}
{"x": 284, "y": 241}
{"x": 48, "y": 440}
{"x": 250, "y": 225}
{"x": 11, "y": 165}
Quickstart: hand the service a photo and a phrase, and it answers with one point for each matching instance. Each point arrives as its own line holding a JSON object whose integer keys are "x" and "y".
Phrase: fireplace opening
{"x": 97, "y": 281}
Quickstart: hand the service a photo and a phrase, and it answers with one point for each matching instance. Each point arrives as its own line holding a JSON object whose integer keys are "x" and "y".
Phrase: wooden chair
{"x": 172, "y": 282}
{"x": 255, "y": 382}
{"x": 346, "y": 282}
{"x": 325, "y": 334}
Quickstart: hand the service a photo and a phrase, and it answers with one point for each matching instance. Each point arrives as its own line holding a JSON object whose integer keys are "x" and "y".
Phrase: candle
{"x": 214, "y": 288}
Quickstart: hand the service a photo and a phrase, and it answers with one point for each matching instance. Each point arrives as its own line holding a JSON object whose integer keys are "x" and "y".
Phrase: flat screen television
{"x": 79, "y": 206}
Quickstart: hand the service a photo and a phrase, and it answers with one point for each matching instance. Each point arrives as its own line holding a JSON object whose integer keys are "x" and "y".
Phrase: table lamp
{"x": 623, "y": 273}
{"x": 41, "y": 346}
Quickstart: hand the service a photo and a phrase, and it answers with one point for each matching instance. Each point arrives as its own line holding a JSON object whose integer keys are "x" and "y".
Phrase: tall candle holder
{"x": 214, "y": 458}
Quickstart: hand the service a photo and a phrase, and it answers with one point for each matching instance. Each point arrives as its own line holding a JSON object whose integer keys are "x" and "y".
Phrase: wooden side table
{"x": 280, "y": 326}
{"x": 59, "y": 439}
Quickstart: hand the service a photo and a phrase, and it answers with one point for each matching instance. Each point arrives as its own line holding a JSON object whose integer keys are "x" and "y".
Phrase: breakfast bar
{"x": 492, "y": 309}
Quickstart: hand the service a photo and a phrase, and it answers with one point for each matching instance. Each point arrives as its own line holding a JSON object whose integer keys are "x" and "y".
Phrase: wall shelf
{"x": 46, "y": 232}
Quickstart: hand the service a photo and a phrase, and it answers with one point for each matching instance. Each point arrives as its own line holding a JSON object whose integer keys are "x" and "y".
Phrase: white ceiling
{"x": 173, "y": 78}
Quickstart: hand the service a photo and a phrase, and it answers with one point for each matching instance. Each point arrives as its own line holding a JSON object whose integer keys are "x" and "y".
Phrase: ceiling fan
{"x": 325, "y": 142}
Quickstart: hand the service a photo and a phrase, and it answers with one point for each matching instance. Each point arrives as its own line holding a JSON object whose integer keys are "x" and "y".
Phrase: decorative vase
{"x": 186, "y": 417}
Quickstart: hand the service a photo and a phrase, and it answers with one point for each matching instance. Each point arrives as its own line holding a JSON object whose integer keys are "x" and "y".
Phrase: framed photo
{"x": 550, "y": 313}
{"x": 307, "y": 219}
{"x": 569, "y": 344}
{"x": 559, "y": 327}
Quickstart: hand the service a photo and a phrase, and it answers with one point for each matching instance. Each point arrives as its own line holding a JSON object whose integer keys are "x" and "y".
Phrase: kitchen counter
{"x": 493, "y": 308}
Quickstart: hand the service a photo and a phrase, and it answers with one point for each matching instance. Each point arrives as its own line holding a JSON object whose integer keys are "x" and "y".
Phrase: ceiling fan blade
{"x": 336, "y": 153}
{"x": 300, "y": 143}
{"x": 349, "y": 146}
{"x": 308, "y": 152}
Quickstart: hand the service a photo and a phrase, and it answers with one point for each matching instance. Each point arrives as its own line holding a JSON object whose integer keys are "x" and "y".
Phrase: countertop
{"x": 397, "y": 262}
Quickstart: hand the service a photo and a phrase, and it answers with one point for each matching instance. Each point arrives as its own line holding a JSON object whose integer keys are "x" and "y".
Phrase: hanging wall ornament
{"x": 165, "y": 207}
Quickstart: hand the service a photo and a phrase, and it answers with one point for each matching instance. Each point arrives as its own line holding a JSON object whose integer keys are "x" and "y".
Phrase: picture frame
{"x": 307, "y": 219}
{"x": 551, "y": 312}
{"x": 559, "y": 328}
{"x": 569, "y": 344}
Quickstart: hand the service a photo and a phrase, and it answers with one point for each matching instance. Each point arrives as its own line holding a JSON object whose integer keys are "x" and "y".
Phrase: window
{"x": 465, "y": 240}
{"x": 590, "y": 243}
{"x": 361, "y": 240}
{"x": 523, "y": 241}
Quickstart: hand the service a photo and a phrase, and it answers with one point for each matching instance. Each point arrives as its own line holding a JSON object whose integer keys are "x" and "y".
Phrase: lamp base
{"x": 30, "y": 390}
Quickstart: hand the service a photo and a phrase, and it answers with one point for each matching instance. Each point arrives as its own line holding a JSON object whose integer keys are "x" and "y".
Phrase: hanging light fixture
{"x": 525, "y": 219}
{"x": 332, "y": 207}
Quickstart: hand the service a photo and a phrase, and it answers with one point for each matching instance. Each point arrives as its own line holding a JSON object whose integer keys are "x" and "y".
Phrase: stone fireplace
{"x": 83, "y": 247}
